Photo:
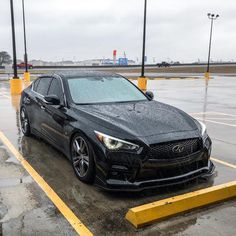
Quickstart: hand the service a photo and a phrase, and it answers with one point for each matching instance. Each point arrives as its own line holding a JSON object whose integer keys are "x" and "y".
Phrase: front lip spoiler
{"x": 126, "y": 186}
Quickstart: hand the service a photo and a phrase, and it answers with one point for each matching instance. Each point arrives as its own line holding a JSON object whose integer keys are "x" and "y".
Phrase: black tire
{"x": 24, "y": 120}
{"x": 82, "y": 158}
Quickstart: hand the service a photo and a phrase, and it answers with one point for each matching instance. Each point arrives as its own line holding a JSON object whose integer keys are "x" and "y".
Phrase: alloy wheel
{"x": 24, "y": 121}
{"x": 80, "y": 156}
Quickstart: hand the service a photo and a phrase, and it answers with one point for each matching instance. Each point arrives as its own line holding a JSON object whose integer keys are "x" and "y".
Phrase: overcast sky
{"x": 85, "y": 29}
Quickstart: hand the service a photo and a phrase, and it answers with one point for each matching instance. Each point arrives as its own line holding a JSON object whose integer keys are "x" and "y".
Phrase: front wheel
{"x": 24, "y": 120}
{"x": 82, "y": 158}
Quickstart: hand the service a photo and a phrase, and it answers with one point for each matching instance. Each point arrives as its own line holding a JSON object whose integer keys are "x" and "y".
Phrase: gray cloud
{"x": 81, "y": 29}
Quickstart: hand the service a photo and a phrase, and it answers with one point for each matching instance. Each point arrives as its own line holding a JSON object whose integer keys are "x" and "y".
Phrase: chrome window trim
{"x": 62, "y": 86}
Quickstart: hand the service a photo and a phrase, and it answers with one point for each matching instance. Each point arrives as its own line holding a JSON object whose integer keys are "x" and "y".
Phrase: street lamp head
{"x": 212, "y": 16}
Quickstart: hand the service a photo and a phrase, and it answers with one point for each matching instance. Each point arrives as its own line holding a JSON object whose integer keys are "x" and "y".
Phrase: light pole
{"x": 26, "y": 74}
{"x": 13, "y": 40}
{"x": 15, "y": 82}
{"x": 142, "y": 81}
{"x": 144, "y": 37}
{"x": 212, "y": 17}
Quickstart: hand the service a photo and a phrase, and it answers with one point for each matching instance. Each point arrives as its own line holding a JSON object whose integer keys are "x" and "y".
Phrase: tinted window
{"x": 55, "y": 89}
{"x": 103, "y": 89}
{"x": 43, "y": 86}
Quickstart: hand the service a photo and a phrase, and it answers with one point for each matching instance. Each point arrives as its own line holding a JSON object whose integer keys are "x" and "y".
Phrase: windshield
{"x": 92, "y": 90}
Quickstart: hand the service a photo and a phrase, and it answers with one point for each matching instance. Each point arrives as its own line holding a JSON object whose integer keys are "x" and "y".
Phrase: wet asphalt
{"x": 26, "y": 210}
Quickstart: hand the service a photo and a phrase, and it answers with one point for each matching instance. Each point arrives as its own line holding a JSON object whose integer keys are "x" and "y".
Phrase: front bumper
{"x": 124, "y": 185}
{"x": 148, "y": 174}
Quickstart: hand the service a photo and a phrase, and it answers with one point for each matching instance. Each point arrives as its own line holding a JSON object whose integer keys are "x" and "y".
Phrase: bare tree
{"x": 5, "y": 58}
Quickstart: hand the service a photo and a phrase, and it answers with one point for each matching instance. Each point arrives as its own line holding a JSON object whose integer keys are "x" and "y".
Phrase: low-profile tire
{"x": 82, "y": 158}
{"x": 24, "y": 120}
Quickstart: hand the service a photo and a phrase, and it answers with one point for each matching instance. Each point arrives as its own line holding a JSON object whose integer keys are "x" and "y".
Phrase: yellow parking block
{"x": 149, "y": 213}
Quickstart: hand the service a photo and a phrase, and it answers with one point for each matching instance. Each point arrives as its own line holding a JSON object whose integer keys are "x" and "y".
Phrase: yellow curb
{"x": 27, "y": 84}
{"x": 223, "y": 162}
{"x": 149, "y": 213}
{"x": 142, "y": 83}
{"x": 16, "y": 86}
{"x": 207, "y": 75}
{"x": 27, "y": 76}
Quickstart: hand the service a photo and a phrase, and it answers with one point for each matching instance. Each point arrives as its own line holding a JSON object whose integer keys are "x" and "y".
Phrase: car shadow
{"x": 42, "y": 155}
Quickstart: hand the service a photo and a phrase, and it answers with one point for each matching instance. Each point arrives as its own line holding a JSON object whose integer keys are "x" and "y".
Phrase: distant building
{"x": 90, "y": 62}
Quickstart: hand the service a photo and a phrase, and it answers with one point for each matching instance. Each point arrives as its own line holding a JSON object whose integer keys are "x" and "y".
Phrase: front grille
{"x": 168, "y": 150}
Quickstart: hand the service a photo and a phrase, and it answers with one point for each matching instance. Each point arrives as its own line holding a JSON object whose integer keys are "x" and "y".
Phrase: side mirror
{"x": 150, "y": 95}
{"x": 52, "y": 100}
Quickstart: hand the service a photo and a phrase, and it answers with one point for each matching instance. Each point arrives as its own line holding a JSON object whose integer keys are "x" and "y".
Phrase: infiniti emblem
{"x": 178, "y": 148}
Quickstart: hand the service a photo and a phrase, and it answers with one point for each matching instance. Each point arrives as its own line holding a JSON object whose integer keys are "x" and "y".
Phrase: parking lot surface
{"x": 25, "y": 209}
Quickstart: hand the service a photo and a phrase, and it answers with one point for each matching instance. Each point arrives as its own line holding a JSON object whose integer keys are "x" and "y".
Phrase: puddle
{"x": 12, "y": 159}
{"x": 10, "y": 182}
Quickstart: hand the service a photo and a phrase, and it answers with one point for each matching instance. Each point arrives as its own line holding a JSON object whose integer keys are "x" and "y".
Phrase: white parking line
{"x": 217, "y": 118}
{"x": 6, "y": 96}
{"x": 223, "y": 162}
{"x": 216, "y": 122}
{"x": 197, "y": 113}
{"x": 3, "y": 89}
{"x": 225, "y": 114}
{"x": 212, "y": 112}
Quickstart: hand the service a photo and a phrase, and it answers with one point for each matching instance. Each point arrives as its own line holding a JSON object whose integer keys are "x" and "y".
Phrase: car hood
{"x": 141, "y": 119}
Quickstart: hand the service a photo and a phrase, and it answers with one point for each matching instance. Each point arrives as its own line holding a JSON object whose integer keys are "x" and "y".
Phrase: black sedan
{"x": 114, "y": 134}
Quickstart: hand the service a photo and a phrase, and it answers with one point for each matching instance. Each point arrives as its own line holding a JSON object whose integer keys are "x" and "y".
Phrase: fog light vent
{"x": 118, "y": 167}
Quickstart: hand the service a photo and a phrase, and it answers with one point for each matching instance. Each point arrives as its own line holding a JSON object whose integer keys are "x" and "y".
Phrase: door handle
{"x": 27, "y": 100}
{"x": 42, "y": 107}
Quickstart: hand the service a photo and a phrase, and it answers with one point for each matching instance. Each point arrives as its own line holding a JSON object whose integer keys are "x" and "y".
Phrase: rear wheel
{"x": 82, "y": 158}
{"x": 24, "y": 120}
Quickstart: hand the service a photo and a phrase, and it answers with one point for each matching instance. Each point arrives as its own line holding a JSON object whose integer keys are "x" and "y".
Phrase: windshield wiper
{"x": 84, "y": 103}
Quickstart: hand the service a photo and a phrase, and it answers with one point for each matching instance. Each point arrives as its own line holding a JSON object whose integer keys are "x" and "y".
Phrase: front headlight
{"x": 115, "y": 144}
{"x": 203, "y": 129}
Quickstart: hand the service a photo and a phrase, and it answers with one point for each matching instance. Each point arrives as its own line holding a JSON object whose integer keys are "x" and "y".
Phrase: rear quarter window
{"x": 35, "y": 85}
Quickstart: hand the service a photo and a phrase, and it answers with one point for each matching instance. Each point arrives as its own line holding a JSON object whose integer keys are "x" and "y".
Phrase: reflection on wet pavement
{"x": 103, "y": 212}
{"x": 24, "y": 209}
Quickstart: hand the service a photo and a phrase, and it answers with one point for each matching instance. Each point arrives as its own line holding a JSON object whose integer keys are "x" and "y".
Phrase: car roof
{"x": 81, "y": 73}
